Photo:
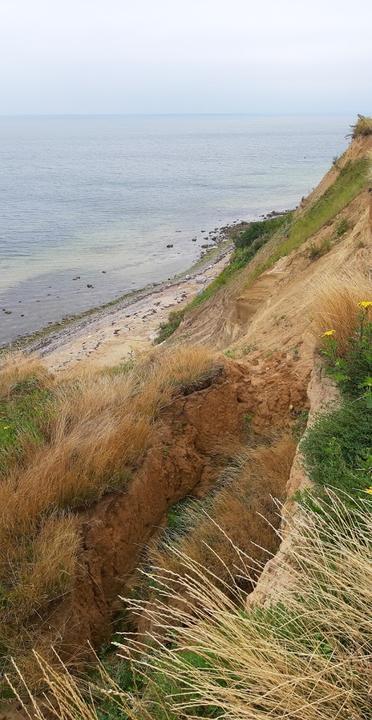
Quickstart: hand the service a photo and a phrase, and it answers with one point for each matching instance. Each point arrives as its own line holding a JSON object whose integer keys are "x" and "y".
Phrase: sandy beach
{"x": 112, "y": 335}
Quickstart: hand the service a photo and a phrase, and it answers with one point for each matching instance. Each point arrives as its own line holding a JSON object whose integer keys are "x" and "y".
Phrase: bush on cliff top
{"x": 362, "y": 127}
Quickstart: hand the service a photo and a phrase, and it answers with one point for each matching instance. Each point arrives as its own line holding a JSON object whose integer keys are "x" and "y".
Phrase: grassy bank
{"x": 289, "y": 232}
{"x": 337, "y": 448}
{"x": 307, "y": 654}
{"x": 65, "y": 441}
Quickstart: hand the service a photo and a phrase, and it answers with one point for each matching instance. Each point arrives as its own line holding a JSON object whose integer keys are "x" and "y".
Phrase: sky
{"x": 185, "y": 56}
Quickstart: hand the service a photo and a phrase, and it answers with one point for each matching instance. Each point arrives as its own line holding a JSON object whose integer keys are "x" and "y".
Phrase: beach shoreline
{"x": 113, "y": 332}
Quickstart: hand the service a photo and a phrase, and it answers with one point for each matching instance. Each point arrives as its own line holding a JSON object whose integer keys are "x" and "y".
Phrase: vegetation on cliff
{"x": 280, "y": 236}
{"x": 247, "y": 243}
{"x": 362, "y": 127}
{"x": 65, "y": 441}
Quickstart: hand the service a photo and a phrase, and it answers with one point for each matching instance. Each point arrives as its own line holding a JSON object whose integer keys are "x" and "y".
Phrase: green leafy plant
{"x": 316, "y": 251}
{"x": 353, "y": 370}
{"x": 170, "y": 326}
{"x": 342, "y": 227}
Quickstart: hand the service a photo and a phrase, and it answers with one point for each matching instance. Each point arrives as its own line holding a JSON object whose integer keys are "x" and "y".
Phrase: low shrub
{"x": 316, "y": 251}
{"x": 342, "y": 227}
{"x": 260, "y": 229}
{"x": 362, "y": 127}
{"x": 170, "y": 326}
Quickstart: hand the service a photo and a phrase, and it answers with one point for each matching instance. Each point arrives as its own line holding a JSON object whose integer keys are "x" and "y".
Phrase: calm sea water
{"x": 82, "y": 195}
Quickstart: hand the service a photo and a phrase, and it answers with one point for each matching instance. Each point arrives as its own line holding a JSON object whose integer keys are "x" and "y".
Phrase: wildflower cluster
{"x": 353, "y": 371}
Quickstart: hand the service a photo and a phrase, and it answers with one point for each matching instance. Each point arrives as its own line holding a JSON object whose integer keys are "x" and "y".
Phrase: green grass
{"x": 170, "y": 326}
{"x": 23, "y": 417}
{"x": 292, "y": 233}
{"x": 342, "y": 227}
{"x": 337, "y": 448}
{"x": 350, "y": 182}
{"x": 260, "y": 229}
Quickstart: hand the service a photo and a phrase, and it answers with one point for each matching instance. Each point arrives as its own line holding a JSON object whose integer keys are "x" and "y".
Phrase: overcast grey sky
{"x": 160, "y": 56}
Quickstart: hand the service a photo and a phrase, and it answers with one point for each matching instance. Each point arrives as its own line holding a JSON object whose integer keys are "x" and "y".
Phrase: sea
{"x": 88, "y": 204}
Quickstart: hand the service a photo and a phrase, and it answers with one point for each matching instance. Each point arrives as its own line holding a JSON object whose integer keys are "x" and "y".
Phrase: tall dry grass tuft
{"x": 362, "y": 127}
{"x": 336, "y": 307}
{"x": 99, "y": 427}
{"x": 16, "y": 368}
{"x": 308, "y": 657}
{"x": 45, "y": 570}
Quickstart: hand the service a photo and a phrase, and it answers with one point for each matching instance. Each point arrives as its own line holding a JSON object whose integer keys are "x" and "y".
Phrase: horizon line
{"x": 175, "y": 114}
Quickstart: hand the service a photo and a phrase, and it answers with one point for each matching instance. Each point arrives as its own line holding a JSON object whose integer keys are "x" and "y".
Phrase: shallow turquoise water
{"x": 79, "y": 195}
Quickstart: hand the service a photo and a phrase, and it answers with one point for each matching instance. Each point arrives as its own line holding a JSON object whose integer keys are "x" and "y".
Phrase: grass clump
{"x": 316, "y": 251}
{"x": 342, "y": 227}
{"x": 337, "y": 309}
{"x": 351, "y": 366}
{"x": 362, "y": 127}
{"x": 23, "y": 419}
{"x": 337, "y": 448}
{"x": 170, "y": 326}
{"x": 306, "y": 656}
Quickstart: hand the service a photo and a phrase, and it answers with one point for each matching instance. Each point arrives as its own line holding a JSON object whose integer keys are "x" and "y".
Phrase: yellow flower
{"x": 365, "y": 304}
{"x": 329, "y": 333}
{"x": 6, "y": 427}
{"x": 368, "y": 490}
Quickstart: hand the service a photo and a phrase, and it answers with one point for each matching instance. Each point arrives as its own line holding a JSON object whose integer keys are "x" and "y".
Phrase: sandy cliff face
{"x": 276, "y": 310}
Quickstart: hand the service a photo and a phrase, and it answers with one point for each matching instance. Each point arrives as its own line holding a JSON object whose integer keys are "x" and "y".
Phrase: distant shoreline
{"x": 45, "y": 339}
{"x": 112, "y": 332}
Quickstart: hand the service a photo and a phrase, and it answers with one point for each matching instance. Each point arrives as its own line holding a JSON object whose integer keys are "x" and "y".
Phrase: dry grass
{"x": 100, "y": 426}
{"x": 245, "y": 508}
{"x": 45, "y": 570}
{"x": 307, "y": 658}
{"x": 93, "y": 435}
{"x": 16, "y": 369}
{"x": 362, "y": 127}
{"x": 336, "y": 307}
